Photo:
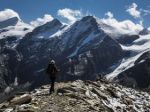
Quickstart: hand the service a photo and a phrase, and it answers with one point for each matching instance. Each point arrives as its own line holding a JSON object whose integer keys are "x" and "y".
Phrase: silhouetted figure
{"x": 52, "y": 71}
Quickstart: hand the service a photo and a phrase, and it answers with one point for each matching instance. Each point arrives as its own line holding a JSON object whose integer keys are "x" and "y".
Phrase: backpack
{"x": 51, "y": 69}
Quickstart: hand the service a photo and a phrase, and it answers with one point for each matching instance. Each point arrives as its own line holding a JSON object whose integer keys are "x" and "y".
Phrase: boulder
{"x": 26, "y": 98}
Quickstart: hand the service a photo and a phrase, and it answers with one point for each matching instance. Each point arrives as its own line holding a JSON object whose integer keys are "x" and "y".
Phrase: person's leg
{"x": 52, "y": 85}
{"x": 51, "y": 88}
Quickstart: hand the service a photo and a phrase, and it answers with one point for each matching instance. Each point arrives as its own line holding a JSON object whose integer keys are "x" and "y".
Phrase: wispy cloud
{"x": 70, "y": 14}
{"x": 109, "y": 14}
{"x": 133, "y": 11}
{"x": 41, "y": 21}
{"x": 145, "y": 12}
{"x": 8, "y": 13}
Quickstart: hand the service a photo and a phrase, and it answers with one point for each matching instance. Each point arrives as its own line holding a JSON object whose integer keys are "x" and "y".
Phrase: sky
{"x": 37, "y": 12}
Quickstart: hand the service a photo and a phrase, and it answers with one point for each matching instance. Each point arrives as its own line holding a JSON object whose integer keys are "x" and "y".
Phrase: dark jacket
{"x": 52, "y": 70}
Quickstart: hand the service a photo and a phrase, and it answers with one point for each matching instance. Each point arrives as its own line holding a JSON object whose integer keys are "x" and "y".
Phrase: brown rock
{"x": 127, "y": 100}
{"x": 21, "y": 100}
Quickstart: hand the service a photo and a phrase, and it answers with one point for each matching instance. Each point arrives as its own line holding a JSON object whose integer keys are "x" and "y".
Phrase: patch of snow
{"x": 60, "y": 32}
{"x": 43, "y": 69}
{"x": 125, "y": 64}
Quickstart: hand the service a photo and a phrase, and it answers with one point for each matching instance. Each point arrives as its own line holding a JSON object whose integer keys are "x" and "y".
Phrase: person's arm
{"x": 56, "y": 69}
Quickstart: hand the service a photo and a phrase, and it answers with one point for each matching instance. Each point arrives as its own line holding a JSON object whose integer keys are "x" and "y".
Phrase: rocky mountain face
{"x": 127, "y": 39}
{"x": 10, "y": 22}
{"x": 84, "y": 43}
{"x": 79, "y": 96}
{"x": 145, "y": 31}
{"x": 12, "y": 31}
{"x": 92, "y": 51}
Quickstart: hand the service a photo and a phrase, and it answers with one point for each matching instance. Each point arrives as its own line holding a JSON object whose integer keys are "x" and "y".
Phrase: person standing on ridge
{"x": 52, "y": 72}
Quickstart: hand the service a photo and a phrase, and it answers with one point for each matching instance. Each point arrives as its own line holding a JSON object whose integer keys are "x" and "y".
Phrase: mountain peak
{"x": 53, "y": 22}
{"x": 88, "y": 18}
{"x": 48, "y": 25}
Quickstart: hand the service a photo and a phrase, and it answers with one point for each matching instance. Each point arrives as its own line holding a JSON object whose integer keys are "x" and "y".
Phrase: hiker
{"x": 52, "y": 72}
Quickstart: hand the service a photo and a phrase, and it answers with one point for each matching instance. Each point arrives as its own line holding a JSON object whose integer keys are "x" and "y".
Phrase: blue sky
{"x": 29, "y": 10}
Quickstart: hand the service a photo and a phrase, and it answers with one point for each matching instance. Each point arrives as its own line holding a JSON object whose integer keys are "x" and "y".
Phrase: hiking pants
{"x": 52, "y": 84}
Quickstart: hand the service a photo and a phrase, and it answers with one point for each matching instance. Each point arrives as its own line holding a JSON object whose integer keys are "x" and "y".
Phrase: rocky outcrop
{"x": 10, "y": 22}
{"x": 9, "y": 61}
{"x": 127, "y": 39}
{"x": 145, "y": 31}
{"x": 79, "y": 96}
{"x": 26, "y": 98}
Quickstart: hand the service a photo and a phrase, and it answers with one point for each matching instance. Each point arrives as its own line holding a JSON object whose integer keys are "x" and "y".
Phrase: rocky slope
{"x": 79, "y": 96}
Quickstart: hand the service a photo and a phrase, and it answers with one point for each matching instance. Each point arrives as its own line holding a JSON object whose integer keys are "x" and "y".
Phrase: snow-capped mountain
{"x": 12, "y": 31}
{"x": 93, "y": 46}
{"x": 14, "y": 27}
{"x": 83, "y": 42}
{"x": 136, "y": 65}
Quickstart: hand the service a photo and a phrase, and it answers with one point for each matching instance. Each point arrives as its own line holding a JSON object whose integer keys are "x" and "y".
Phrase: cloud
{"x": 109, "y": 14}
{"x": 7, "y": 14}
{"x": 145, "y": 12}
{"x": 70, "y": 15}
{"x": 41, "y": 21}
{"x": 125, "y": 25}
{"x": 133, "y": 11}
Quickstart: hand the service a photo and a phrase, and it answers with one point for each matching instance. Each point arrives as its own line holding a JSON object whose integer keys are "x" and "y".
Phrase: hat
{"x": 52, "y": 62}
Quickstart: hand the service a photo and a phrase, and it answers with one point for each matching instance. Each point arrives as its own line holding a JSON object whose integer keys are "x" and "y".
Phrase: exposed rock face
{"x": 139, "y": 72}
{"x": 9, "y": 60}
{"x": 79, "y": 96}
{"x": 9, "y": 57}
{"x": 145, "y": 31}
{"x": 102, "y": 54}
{"x": 10, "y": 22}
{"x": 127, "y": 39}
